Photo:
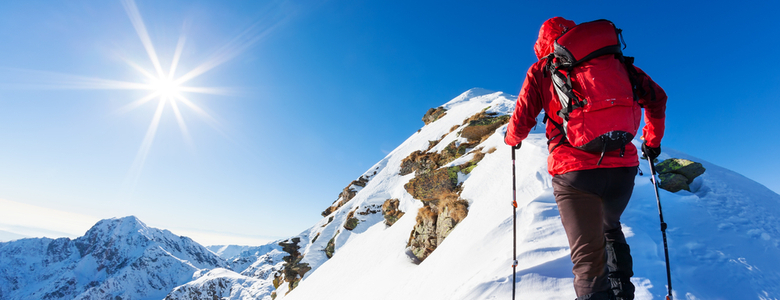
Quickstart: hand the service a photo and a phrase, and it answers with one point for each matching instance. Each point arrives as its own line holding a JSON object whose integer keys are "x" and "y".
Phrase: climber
{"x": 591, "y": 187}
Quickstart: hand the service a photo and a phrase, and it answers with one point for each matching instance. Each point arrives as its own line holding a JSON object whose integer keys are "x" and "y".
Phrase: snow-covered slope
{"x": 115, "y": 259}
{"x": 723, "y": 236}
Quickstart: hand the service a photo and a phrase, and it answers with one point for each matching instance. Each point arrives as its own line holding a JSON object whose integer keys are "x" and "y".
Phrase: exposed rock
{"x": 454, "y": 150}
{"x": 435, "y": 222}
{"x": 453, "y": 210}
{"x": 369, "y": 209}
{"x": 361, "y": 182}
{"x": 677, "y": 174}
{"x": 482, "y": 125}
{"x": 434, "y": 114}
{"x": 351, "y": 222}
{"x": 419, "y": 162}
{"x": 315, "y": 237}
{"x": 347, "y": 194}
{"x": 423, "y": 238}
{"x": 673, "y": 182}
{"x": 430, "y": 185}
{"x": 293, "y": 269}
{"x": 684, "y": 167}
{"x": 330, "y": 249}
{"x": 438, "y": 187}
{"x": 391, "y": 212}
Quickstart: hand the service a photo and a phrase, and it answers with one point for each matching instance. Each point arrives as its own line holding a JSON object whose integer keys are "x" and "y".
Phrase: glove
{"x": 650, "y": 152}
{"x": 514, "y": 147}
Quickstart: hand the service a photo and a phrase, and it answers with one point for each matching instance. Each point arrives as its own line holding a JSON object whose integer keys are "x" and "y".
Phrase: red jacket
{"x": 537, "y": 94}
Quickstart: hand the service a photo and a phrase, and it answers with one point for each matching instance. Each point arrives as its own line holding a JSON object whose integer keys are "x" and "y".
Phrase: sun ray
{"x": 207, "y": 90}
{"x": 143, "y": 152}
{"x": 135, "y": 104}
{"x": 61, "y": 81}
{"x": 183, "y": 126}
{"x": 176, "y": 57}
{"x": 197, "y": 109}
{"x": 140, "y": 69}
{"x": 140, "y": 28}
{"x": 214, "y": 123}
{"x": 236, "y": 46}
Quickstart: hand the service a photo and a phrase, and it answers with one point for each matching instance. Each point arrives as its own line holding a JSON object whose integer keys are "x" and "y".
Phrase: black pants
{"x": 591, "y": 203}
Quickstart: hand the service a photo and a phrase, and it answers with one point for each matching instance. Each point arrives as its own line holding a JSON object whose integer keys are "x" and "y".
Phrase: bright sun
{"x": 166, "y": 85}
{"x": 167, "y": 89}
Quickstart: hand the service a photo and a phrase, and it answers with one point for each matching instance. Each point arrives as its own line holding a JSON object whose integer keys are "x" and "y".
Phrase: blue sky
{"x": 312, "y": 93}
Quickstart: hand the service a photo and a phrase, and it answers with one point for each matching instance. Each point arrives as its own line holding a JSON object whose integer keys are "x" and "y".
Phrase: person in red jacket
{"x": 591, "y": 192}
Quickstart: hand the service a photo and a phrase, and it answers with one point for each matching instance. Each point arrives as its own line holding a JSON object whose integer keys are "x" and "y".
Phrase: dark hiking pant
{"x": 590, "y": 203}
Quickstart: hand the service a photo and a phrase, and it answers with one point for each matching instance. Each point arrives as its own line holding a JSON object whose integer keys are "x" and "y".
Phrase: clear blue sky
{"x": 313, "y": 93}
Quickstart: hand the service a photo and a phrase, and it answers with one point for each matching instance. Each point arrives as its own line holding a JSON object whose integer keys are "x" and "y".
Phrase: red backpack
{"x": 594, "y": 83}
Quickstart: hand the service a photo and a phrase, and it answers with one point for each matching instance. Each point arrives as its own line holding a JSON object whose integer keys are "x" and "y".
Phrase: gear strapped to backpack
{"x": 596, "y": 88}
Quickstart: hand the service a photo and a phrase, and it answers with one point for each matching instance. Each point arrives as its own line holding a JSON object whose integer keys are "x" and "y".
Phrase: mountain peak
{"x": 116, "y": 258}
{"x": 115, "y": 228}
{"x": 473, "y": 93}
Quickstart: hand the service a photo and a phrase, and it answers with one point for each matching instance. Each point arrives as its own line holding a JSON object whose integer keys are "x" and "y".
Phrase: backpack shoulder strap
{"x": 636, "y": 83}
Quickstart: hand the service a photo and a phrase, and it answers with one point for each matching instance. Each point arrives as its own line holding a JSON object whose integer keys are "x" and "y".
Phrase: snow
{"x": 723, "y": 239}
{"x": 223, "y": 284}
{"x": 723, "y": 236}
{"x": 115, "y": 258}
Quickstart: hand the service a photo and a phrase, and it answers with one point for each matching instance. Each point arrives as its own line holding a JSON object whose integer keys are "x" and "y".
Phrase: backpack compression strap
{"x": 561, "y": 133}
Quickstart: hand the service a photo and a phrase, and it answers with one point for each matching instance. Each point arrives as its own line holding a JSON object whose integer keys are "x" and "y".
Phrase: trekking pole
{"x": 663, "y": 230}
{"x": 514, "y": 223}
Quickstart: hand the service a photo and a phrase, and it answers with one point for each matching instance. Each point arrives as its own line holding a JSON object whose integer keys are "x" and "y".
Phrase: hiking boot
{"x": 622, "y": 288}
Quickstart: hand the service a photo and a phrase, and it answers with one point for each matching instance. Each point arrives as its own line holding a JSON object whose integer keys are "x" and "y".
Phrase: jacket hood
{"x": 551, "y": 30}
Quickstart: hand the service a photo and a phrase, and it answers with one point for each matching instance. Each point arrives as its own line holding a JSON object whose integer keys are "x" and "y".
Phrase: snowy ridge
{"x": 115, "y": 258}
{"x": 222, "y": 284}
{"x": 723, "y": 236}
{"x": 724, "y": 239}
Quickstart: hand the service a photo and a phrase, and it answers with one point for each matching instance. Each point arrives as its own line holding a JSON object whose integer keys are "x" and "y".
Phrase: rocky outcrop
{"x": 482, "y": 125}
{"x": 429, "y": 186}
{"x": 391, "y": 212}
{"x": 435, "y": 222}
{"x": 293, "y": 269}
{"x": 438, "y": 188}
{"x": 434, "y": 114}
{"x": 677, "y": 174}
{"x": 330, "y": 248}
{"x": 419, "y": 161}
{"x": 351, "y": 222}
{"x": 346, "y": 194}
